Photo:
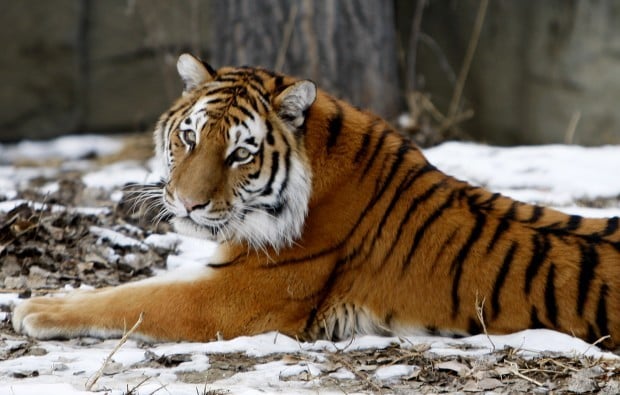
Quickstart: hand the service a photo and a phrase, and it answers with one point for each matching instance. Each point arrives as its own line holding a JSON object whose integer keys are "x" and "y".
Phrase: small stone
{"x": 112, "y": 368}
{"x": 15, "y": 282}
{"x": 471, "y": 386}
{"x": 460, "y": 369}
{"x": 37, "y": 351}
{"x": 60, "y": 367}
{"x": 489, "y": 384}
{"x": 581, "y": 385}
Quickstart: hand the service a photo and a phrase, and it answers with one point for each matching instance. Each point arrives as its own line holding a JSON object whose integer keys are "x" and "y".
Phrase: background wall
{"x": 542, "y": 72}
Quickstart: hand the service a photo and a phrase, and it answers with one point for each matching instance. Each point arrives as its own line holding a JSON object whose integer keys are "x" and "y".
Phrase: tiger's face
{"x": 234, "y": 158}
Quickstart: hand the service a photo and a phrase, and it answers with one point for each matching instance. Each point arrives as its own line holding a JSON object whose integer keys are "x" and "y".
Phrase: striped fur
{"x": 335, "y": 224}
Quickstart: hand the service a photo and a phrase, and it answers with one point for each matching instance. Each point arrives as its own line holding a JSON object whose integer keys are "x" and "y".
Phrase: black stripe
{"x": 457, "y": 265}
{"x": 265, "y": 97}
{"x": 488, "y": 204}
{"x": 574, "y": 221}
{"x": 473, "y": 326}
{"x": 251, "y": 141}
{"x": 257, "y": 87}
{"x": 432, "y": 330}
{"x": 611, "y": 228}
{"x": 537, "y": 212}
{"x": 287, "y": 169}
{"x": 235, "y": 119}
{"x": 215, "y": 101}
{"x": 473, "y": 237}
{"x": 334, "y": 126}
{"x": 601, "y": 312}
{"x": 591, "y": 337}
{"x": 536, "y": 323}
{"x": 414, "y": 203}
{"x": 421, "y": 231}
{"x": 551, "y": 303}
{"x": 260, "y": 156}
{"x": 326, "y": 289}
{"x": 402, "y": 188}
{"x": 400, "y": 157}
{"x": 246, "y": 112}
{"x": 275, "y": 163}
{"x": 503, "y": 226}
{"x": 226, "y": 90}
{"x": 269, "y": 138}
{"x": 448, "y": 241}
{"x": 363, "y": 148}
{"x": 279, "y": 80}
{"x": 539, "y": 254}
{"x": 226, "y": 78}
{"x": 500, "y": 279}
{"x": 375, "y": 152}
{"x": 589, "y": 261}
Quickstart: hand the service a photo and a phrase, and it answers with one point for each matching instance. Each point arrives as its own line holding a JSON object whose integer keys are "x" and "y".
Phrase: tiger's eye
{"x": 242, "y": 154}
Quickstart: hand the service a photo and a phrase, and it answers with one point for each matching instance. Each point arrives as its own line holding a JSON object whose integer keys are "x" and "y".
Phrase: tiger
{"x": 329, "y": 224}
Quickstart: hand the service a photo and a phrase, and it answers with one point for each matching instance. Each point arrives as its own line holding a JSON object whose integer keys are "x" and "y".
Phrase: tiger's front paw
{"x": 47, "y": 318}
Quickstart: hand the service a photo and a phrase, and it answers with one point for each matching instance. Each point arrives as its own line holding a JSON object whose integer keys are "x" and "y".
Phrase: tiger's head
{"x": 232, "y": 149}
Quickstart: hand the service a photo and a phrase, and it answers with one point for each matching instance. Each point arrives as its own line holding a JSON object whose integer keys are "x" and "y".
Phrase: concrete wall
{"x": 75, "y": 66}
{"x": 538, "y": 65}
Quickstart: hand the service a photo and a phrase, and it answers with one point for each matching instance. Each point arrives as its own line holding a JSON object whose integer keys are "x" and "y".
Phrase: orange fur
{"x": 389, "y": 244}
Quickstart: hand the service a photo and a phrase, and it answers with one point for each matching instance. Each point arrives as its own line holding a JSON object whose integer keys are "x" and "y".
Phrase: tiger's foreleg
{"x": 214, "y": 303}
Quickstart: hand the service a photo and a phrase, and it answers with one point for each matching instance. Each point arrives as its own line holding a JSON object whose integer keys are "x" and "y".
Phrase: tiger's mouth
{"x": 215, "y": 230}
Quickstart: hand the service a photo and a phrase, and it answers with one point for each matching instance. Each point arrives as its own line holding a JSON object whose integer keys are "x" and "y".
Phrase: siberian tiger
{"x": 331, "y": 223}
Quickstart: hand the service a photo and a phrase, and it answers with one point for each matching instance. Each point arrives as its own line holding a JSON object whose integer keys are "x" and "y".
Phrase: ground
{"x": 67, "y": 220}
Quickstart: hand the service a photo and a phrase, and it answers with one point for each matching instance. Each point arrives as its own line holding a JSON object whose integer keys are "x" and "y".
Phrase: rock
{"x": 460, "y": 369}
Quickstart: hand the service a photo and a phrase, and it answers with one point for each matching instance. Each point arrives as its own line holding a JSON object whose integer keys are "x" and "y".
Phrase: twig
{"x": 569, "y": 135}
{"x": 442, "y": 59}
{"x": 469, "y": 55}
{"x": 360, "y": 375}
{"x": 515, "y": 371}
{"x": 600, "y": 340}
{"x": 91, "y": 382}
{"x": 135, "y": 387}
{"x": 455, "y": 120}
{"x": 413, "y": 46}
{"x": 286, "y": 37}
{"x": 480, "y": 314}
{"x": 553, "y": 361}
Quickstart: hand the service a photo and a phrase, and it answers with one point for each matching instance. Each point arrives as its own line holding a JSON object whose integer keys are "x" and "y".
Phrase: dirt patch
{"x": 368, "y": 371}
{"x": 47, "y": 245}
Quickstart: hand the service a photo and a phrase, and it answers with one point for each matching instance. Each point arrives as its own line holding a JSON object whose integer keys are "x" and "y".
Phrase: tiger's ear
{"x": 292, "y": 103}
{"x": 193, "y": 72}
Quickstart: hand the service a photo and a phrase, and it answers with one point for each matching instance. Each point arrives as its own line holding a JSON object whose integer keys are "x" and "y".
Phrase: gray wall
{"x": 538, "y": 65}
{"x": 77, "y": 66}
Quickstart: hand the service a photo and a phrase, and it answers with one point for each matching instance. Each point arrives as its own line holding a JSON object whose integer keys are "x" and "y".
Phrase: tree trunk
{"x": 348, "y": 47}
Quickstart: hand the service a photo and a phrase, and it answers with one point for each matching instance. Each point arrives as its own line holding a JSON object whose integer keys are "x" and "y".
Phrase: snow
{"x": 555, "y": 175}
{"x": 395, "y": 371}
{"x": 67, "y": 147}
{"x": 116, "y": 238}
{"x": 551, "y": 174}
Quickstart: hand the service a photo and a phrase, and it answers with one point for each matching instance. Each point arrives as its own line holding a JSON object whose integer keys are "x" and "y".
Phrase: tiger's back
{"x": 426, "y": 249}
{"x": 331, "y": 223}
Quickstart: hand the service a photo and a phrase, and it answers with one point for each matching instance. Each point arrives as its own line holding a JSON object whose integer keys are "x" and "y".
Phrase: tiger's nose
{"x": 191, "y": 204}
